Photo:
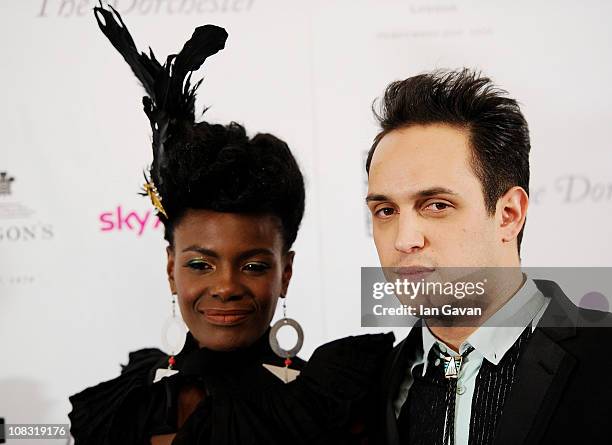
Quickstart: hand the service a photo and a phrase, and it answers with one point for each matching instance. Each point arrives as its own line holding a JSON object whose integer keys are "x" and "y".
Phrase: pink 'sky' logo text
{"x": 120, "y": 219}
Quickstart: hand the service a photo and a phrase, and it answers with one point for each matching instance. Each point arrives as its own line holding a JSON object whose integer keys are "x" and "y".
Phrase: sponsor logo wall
{"x": 124, "y": 219}
{"x": 82, "y": 256}
{"x": 21, "y": 230}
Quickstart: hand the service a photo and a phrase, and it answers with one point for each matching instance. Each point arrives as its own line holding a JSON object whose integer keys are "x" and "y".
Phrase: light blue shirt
{"x": 490, "y": 341}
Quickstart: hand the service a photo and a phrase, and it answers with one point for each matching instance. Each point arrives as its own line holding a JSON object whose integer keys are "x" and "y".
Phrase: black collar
{"x": 196, "y": 361}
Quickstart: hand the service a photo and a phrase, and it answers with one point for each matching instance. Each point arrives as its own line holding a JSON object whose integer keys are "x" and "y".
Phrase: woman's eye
{"x": 198, "y": 265}
{"x": 256, "y": 267}
{"x": 384, "y": 212}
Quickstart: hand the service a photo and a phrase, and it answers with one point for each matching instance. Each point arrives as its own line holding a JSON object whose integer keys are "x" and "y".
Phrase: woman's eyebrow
{"x": 201, "y": 250}
{"x": 256, "y": 251}
{"x": 241, "y": 255}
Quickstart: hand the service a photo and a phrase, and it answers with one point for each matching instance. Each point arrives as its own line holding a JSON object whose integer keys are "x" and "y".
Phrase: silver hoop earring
{"x": 173, "y": 322}
{"x": 287, "y": 354}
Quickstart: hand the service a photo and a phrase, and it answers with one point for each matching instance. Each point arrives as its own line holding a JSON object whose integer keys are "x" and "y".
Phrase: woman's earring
{"x": 287, "y": 354}
{"x": 172, "y": 323}
{"x": 173, "y": 345}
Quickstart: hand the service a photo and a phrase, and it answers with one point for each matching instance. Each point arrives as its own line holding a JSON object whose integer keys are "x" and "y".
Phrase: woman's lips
{"x": 226, "y": 317}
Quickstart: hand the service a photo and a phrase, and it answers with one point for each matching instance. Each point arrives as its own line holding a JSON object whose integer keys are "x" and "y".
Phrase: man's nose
{"x": 409, "y": 237}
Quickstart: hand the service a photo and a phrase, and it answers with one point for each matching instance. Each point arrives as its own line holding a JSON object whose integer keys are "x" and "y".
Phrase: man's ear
{"x": 170, "y": 269}
{"x": 287, "y": 270}
{"x": 512, "y": 211}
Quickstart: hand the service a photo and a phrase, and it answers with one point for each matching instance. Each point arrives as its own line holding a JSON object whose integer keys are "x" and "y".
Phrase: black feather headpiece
{"x": 170, "y": 99}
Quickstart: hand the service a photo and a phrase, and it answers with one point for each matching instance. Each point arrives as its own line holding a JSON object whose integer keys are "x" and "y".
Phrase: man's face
{"x": 427, "y": 204}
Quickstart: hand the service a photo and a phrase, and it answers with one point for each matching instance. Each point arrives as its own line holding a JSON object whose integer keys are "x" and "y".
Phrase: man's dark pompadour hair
{"x": 498, "y": 132}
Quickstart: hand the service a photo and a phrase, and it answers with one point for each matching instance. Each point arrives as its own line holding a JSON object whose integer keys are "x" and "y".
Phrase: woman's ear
{"x": 170, "y": 269}
{"x": 287, "y": 271}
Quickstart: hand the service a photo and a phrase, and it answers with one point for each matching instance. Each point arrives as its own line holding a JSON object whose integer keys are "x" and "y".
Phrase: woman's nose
{"x": 226, "y": 286}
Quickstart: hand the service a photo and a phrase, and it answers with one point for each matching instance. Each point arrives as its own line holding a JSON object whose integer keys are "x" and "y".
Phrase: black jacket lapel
{"x": 542, "y": 373}
{"x": 393, "y": 376}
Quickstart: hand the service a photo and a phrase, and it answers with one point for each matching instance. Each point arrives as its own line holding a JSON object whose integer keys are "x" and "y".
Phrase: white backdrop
{"x": 76, "y": 296}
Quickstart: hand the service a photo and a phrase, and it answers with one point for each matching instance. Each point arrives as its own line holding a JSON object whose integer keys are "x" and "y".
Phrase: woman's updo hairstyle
{"x": 218, "y": 167}
{"x": 198, "y": 165}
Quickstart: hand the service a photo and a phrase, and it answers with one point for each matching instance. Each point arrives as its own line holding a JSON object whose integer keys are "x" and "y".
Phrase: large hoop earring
{"x": 172, "y": 322}
{"x": 287, "y": 354}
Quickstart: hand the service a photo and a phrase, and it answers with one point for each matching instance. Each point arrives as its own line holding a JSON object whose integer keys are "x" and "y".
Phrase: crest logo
{"x": 5, "y": 183}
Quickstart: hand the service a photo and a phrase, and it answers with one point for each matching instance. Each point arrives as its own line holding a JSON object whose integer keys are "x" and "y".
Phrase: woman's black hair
{"x": 199, "y": 165}
{"x": 219, "y": 168}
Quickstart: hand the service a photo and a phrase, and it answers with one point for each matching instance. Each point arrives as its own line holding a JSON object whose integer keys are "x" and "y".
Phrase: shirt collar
{"x": 500, "y": 332}
{"x": 429, "y": 340}
{"x": 503, "y": 329}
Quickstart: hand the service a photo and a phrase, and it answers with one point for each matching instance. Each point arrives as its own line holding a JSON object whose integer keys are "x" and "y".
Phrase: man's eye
{"x": 256, "y": 267}
{"x": 198, "y": 265}
{"x": 384, "y": 212}
{"x": 437, "y": 206}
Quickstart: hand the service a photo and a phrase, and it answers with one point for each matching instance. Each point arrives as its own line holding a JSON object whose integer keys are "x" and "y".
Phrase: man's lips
{"x": 413, "y": 272}
{"x": 226, "y": 317}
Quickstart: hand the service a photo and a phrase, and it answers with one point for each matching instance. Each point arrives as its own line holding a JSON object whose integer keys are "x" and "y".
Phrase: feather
{"x": 170, "y": 96}
{"x": 147, "y": 69}
{"x": 206, "y": 41}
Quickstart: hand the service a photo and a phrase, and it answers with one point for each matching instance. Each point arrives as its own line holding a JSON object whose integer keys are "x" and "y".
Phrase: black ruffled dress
{"x": 244, "y": 403}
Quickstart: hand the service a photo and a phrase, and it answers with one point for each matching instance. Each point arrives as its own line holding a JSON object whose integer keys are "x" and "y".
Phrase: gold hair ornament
{"x": 150, "y": 189}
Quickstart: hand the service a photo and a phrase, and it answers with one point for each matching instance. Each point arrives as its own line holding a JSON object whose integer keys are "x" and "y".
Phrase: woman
{"x": 231, "y": 207}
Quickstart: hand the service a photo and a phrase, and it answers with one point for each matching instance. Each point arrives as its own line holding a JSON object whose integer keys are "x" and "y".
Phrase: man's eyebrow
{"x": 434, "y": 191}
{"x": 425, "y": 193}
{"x": 376, "y": 197}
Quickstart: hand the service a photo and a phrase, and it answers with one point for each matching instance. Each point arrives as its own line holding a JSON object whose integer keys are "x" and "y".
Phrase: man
{"x": 448, "y": 182}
